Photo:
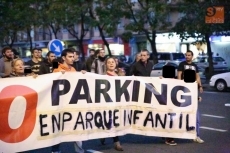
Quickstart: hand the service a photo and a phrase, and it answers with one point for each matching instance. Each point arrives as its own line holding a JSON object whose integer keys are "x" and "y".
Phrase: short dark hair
{"x": 32, "y": 51}
{"x": 65, "y": 51}
{"x": 145, "y": 50}
{"x": 189, "y": 51}
{"x": 4, "y": 49}
{"x": 49, "y": 52}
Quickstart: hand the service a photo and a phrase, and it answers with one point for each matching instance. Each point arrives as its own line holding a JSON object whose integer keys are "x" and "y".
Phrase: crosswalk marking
{"x": 227, "y": 105}
{"x": 93, "y": 151}
{"x": 213, "y": 129}
{"x": 213, "y": 116}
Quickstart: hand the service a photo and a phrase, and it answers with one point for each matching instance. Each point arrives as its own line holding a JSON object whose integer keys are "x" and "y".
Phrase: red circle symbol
{"x": 7, "y": 95}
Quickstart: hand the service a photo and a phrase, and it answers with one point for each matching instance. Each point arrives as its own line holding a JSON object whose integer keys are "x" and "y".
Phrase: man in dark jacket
{"x": 143, "y": 67}
{"x": 78, "y": 64}
{"x": 90, "y": 59}
{"x": 47, "y": 65}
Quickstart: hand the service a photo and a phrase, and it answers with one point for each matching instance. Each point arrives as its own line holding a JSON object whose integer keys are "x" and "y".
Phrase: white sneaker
{"x": 56, "y": 152}
{"x": 198, "y": 140}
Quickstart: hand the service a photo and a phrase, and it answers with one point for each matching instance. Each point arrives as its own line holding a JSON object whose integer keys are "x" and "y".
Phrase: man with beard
{"x": 5, "y": 62}
{"x": 189, "y": 65}
{"x": 47, "y": 65}
{"x": 98, "y": 65}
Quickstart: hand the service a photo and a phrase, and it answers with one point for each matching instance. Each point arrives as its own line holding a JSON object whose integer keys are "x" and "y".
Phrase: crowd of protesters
{"x": 11, "y": 65}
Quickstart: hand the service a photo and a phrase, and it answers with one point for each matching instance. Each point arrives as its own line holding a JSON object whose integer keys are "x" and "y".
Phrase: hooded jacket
{"x": 46, "y": 67}
{"x": 62, "y": 67}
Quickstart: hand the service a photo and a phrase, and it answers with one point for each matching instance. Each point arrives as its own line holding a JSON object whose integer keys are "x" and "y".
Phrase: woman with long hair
{"x": 112, "y": 70}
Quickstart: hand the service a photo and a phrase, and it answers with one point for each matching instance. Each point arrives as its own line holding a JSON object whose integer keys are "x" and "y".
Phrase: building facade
{"x": 41, "y": 37}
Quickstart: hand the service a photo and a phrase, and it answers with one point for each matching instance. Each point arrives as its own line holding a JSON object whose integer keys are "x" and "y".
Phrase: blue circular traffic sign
{"x": 56, "y": 46}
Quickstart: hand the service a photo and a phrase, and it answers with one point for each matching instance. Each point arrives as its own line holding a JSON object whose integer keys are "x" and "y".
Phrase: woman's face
{"x": 111, "y": 64}
{"x": 18, "y": 67}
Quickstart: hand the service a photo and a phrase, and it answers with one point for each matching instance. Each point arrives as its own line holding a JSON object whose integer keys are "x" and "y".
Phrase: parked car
{"x": 168, "y": 56}
{"x": 220, "y": 81}
{"x": 202, "y": 61}
{"x": 157, "y": 69}
{"x": 219, "y": 64}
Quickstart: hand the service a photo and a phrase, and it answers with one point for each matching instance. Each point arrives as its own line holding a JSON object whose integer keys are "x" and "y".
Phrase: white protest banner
{"x": 54, "y": 108}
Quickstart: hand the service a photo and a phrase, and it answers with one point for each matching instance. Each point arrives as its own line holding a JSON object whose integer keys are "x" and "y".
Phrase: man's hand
{"x": 83, "y": 71}
{"x": 34, "y": 76}
{"x": 121, "y": 72}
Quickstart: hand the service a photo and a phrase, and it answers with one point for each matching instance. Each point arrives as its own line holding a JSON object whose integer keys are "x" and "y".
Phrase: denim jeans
{"x": 55, "y": 148}
{"x": 78, "y": 147}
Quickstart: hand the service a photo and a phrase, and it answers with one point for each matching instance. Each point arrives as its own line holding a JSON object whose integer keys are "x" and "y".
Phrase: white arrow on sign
{"x": 57, "y": 48}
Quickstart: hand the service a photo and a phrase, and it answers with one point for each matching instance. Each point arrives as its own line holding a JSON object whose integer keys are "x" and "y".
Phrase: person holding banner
{"x": 47, "y": 64}
{"x": 188, "y": 64}
{"x": 169, "y": 141}
{"x": 18, "y": 69}
{"x": 110, "y": 70}
{"x": 67, "y": 58}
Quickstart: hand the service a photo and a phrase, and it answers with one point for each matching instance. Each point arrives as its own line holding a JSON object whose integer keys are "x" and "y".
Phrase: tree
{"x": 27, "y": 22}
{"x": 106, "y": 15}
{"x": 11, "y": 22}
{"x": 52, "y": 15}
{"x": 148, "y": 18}
{"x": 15, "y": 20}
{"x": 193, "y": 25}
{"x": 77, "y": 21}
{"x": 3, "y": 12}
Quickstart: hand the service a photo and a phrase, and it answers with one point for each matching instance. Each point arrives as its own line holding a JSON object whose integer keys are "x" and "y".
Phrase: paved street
{"x": 215, "y": 130}
{"x": 205, "y": 84}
